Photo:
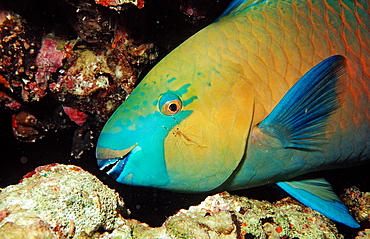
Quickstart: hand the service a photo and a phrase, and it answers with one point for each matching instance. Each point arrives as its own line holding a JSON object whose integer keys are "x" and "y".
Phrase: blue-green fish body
{"x": 272, "y": 90}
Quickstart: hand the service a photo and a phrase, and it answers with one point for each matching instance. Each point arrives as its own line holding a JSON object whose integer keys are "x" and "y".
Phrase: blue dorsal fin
{"x": 238, "y": 5}
{"x": 318, "y": 195}
{"x": 299, "y": 119}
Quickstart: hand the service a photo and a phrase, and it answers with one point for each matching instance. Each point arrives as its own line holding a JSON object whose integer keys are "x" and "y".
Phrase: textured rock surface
{"x": 64, "y": 201}
{"x": 363, "y": 234}
{"x": 358, "y": 203}
{"x": 228, "y": 216}
{"x": 57, "y": 201}
{"x": 91, "y": 74}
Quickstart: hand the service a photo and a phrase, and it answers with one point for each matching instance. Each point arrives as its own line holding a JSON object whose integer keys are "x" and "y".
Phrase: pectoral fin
{"x": 318, "y": 195}
{"x": 299, "y": 119}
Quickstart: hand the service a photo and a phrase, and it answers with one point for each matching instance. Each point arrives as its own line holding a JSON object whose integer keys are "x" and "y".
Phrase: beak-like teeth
{"x": 103, "y": 164}
{"x": 115, "y": 166}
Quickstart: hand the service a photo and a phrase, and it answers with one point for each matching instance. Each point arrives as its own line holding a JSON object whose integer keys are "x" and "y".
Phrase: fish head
{"x": 131, "y": 144}
{"x": 183, "y": 128}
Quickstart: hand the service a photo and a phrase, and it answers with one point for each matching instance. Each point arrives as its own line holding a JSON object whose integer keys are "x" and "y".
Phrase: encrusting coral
{"x": 64, "y": 201}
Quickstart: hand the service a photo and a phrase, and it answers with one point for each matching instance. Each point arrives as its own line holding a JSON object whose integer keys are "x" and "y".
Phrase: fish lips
{"x": 113, "y": 162}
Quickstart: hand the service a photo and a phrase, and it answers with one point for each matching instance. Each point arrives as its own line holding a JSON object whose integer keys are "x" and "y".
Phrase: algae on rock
{"x": 60, "y": 201}
{"x": 64, "y": 201}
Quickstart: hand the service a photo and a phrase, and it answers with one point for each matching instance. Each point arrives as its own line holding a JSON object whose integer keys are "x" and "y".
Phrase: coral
{"x": 135, "y": 55}
{"x": 58, "y": 201}
{"x": 4, "y": 82}
{"x": 26, "y": 127}
{"x": 95, "y": 88}
{"x": 17, "y": 54}
{"x": 10, "y": 102}
{"x": 227, "y": 216}
{"x": 88, "y": 73}
{"x": 75, "y": 115}
{"x": 363, "y": 234}
{"x": 100, "y": 79}
{"x": 87, "y": 80}
{"x": 358, "y": 203}
{"x": 116, "y": 4}
{"x": 91, "y": 24}
{"x": 48, "y": 60}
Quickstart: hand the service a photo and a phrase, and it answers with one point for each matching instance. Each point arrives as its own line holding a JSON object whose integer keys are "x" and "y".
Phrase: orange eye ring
{"x": 171, "y": 107}
{"x": 170, "y": 104}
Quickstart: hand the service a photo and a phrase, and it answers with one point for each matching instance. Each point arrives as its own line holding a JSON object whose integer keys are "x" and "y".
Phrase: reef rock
{"x": 64, "y": 201}
{"x": 58, "y": 201}
{"x": 363, "y": 234}
{"x": 358, "y": 203}
{"x": 228, "y": 216}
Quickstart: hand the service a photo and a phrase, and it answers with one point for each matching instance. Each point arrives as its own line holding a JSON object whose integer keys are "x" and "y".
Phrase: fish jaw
{"x": 114, "y": 160}
{"x": 129, "y": 165}
{"x": 127, "y": 151}
{"x": 131, "y": 145}
{"x": 125, "y": 168}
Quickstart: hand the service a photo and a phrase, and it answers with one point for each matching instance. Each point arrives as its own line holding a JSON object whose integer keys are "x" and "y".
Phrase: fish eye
{"x": 171, "y": 107}
{"x": 170, "y": 104}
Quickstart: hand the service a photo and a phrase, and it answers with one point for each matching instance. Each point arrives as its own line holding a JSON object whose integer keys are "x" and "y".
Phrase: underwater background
{"x": 146, "y": 36}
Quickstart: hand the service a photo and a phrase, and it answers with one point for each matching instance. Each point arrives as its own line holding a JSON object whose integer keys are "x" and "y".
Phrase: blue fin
{"x": 238, "y": 5}
{"x": 299, "y": 119}
{"x": 318, "y": 195}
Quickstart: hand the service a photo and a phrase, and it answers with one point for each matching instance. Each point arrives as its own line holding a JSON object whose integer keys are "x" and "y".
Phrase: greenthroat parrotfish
{"x": 273, "y": 89}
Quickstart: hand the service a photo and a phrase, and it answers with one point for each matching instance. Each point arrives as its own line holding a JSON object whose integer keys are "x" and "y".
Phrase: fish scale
{"x": 271, "y": 90}
{"x": 357, "y": 54}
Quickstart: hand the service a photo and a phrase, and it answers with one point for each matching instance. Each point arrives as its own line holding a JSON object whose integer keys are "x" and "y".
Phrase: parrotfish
{"x": 273, "y": 89}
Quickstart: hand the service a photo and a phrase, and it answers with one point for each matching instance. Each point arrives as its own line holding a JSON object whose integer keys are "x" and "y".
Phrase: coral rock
{"x": 364, "y": 234}
{"x": 26, "y": 127}
{"x": 17, "y": 55}
{"x": 227, "y": 216}
{"x": 76, "y": 116}
{"x": 116, "y": 4}
{"x": 57, "y": 201}
{"x": 87, "y": 74}
{"x": 358, "y": 203}
{"x": 9, "y": 102}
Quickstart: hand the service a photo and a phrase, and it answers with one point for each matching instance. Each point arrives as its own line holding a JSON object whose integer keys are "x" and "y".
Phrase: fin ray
{"x": 299, "y": 119}
{"x": 319, "y": 195}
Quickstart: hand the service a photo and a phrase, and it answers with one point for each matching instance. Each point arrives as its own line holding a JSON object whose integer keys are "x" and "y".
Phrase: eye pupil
{"x": 172, "y": 107}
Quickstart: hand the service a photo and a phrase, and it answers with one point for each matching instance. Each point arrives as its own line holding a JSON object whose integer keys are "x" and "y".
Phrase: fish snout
{"x": 113, "y": 161}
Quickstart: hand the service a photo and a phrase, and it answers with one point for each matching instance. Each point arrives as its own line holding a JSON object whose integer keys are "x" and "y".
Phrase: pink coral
{"x": 76, "y": 116}
{"x": 114, "y": 3}
{"x": 49, "y": 58}
{"x": 10, "y": 102}
{"x": 48, "y": 61}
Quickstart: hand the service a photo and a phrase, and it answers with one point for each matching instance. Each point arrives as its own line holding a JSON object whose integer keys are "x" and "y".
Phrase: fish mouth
{"x": 114, "y": 166}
